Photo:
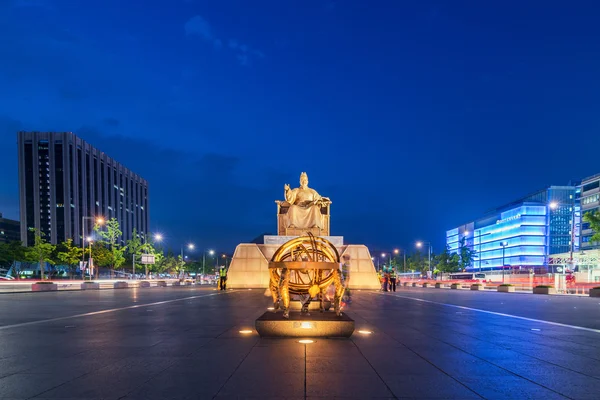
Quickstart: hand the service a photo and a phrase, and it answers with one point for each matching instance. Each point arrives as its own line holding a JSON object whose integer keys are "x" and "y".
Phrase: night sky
{"x": 413, "y": 117}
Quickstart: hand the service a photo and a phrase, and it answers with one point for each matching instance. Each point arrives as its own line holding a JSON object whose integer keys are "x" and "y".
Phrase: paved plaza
{"x": 184, "y": 343}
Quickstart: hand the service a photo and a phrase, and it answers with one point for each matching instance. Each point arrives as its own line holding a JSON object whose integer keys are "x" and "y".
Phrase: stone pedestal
{"x": 544, "y": 290}
{"x": 44, "y": 287}
{"x": 327, "y": 324}
{"x": 595, "y": 292}
{"x": 121, "y": 285}
{"x": 476, "y": 287}
{"x": 144, "y": 284}
{"x": 161, "y": 283}
{"x": 90, "y": 286}
{"x": 506, "y": 289}
{"x": 250, "y": 266}
{"x": 456, "y": 286}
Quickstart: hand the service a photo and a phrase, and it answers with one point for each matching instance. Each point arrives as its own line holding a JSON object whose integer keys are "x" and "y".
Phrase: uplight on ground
{"x": 306, "y": 341}
{"x": 246, "y": 331}
{"x": 365, "y": 332}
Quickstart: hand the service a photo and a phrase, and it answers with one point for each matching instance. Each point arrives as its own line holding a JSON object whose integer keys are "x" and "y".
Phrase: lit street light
{"x": 419, "y": 245}
{"x": 211, "y": 253}
{"x": 99, "y": 221}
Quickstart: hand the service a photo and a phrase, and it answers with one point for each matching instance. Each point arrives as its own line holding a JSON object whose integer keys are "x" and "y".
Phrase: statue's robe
{"x": 303, "y": 213}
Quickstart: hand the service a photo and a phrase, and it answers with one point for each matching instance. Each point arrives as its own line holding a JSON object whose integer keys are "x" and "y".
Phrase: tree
{"x": 71, "y": 255}
{"x": 466, "y": 255}
{"x": 9, "y": 253}
{"x": 594, "y": 220}
{"x": 416, "y": 262}
{"x": 101, "y": 255}
{"x": 111, "y": 236}
{"x": 41, "y": 251}
{"x": 135, "y": 249}
{"x": 447, "y": 262}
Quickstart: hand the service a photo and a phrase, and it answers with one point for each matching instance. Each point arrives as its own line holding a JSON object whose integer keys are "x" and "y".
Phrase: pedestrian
{"x": 386, "y": 280}
{"x": 223, "y": 278}
{"x": 393, "y": 280}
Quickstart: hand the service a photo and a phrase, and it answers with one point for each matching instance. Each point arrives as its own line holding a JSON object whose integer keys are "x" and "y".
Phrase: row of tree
{"x": 107, "y": 252}
{"x": 445, "y": 262}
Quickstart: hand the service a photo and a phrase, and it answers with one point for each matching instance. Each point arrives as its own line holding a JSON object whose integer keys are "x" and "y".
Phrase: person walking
{"x": 393, "y": 280}
{"x": 223, "y": 278}
{"x": 386, "y": 280}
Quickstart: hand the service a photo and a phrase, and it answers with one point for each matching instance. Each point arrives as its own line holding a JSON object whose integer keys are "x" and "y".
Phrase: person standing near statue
{"x": 223, "y": 278}
{"x": 393, "y": 280}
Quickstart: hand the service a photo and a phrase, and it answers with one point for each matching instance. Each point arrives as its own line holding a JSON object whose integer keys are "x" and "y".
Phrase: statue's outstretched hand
{"x": 286, "y": 187}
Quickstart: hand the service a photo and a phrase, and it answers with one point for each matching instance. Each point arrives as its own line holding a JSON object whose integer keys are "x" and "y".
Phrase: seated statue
{"x": 305, "y": 206}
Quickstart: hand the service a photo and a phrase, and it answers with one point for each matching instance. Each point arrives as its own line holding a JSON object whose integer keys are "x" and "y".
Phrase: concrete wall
{"x": 250, "y": 266}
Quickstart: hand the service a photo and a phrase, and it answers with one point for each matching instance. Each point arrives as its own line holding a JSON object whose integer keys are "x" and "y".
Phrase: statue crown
{"x": 303, "y": 175}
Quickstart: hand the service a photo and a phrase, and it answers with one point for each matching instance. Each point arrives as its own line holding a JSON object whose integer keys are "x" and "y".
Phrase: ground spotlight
{"x": 306, "y": 341}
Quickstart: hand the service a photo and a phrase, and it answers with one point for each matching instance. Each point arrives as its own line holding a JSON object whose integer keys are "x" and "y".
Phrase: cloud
{"x": 243, "y": 59}
{"x": 198, "y": 26}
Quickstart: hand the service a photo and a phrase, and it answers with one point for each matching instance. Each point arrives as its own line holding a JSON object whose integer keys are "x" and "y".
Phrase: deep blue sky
{"x": 412, "y": 116}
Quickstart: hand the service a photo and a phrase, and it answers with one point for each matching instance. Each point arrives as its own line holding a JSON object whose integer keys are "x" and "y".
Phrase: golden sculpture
{"x": 304, "y": 210}
{"x": 305, "y": 266}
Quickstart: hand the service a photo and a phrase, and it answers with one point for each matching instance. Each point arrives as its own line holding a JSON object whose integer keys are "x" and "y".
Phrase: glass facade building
{"x": 590, "y": 202}
{"x": 64, "y": 182}
{"x": 522, "y": 234}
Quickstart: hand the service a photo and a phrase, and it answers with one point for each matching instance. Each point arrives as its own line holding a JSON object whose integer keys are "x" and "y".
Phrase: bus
{"x": 468, "y": 276}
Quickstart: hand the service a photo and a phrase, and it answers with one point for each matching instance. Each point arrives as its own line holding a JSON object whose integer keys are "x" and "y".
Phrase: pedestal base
{"x": 317, "y": 324}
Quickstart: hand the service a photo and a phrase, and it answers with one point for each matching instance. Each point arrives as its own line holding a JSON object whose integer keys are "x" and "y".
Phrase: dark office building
{"x": 9, "y": 230}
{"x": 65, "y": 183}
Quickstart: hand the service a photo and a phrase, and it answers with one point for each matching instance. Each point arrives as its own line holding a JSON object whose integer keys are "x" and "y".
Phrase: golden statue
{"x": 305, "y": 207}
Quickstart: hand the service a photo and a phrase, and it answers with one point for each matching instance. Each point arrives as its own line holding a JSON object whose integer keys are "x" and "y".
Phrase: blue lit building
{"x": 522, "y": 234}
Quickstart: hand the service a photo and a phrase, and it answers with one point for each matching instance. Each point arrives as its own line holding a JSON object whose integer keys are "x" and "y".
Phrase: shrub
{"x": 507, "y": 284}
{"x": 477, "y": 284}
{"x": 597, "y": 287}
{"x": 545, "y": 286}
{"x": 44, "y": 283}
{"x": 88, "y": 282}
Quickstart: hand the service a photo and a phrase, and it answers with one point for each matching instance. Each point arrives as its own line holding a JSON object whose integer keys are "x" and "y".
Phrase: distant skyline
{"x": 413, "y": 118}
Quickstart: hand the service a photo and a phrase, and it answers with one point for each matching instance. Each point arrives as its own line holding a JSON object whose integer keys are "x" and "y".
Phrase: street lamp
{"x": 211, "y": 253}
{"x": 90, "y": 240}
{"x": 99, "y": 221}
{"x": 503, "y": 244}
{"x": 419, "y": 245}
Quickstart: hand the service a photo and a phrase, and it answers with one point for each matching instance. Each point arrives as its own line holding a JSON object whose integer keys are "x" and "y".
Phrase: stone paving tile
{"x": 28, "y": 385}
{"x": 509, "y": 387}
{"x": 262, "y": 383}
{"x": 363, "y": 385}
{"x": 106, "y": 384}
{"x": 427, "y": 386}
{"x": 180, "y": 385}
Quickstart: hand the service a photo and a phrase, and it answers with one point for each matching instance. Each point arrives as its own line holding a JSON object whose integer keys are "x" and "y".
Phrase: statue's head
{"x": 303, "y": 179}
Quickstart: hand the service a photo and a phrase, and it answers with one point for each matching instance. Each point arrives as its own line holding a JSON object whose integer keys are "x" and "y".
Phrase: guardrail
{"x": 577, "y": 289}
{"x": 26, "y": 286}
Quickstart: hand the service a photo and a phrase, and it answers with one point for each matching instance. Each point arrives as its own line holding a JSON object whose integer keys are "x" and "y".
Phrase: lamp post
{"x": 90, "y": 240}
{"x": 190, "y": 246}
{"x": 99, "y": 221}
{"x": 373, "y": 259}
{"x": 157, "y": 238}
{"x": 419, "y": 245}
{"x": 503, "y": 244}
{"x": 211, "y": 253}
